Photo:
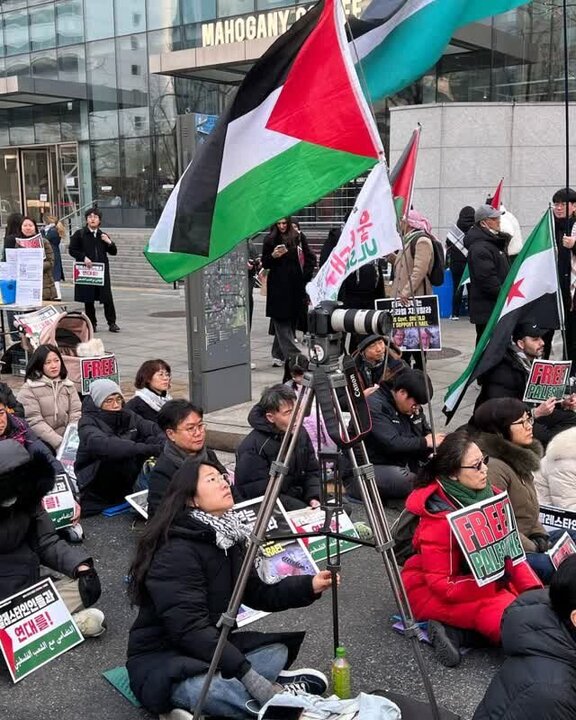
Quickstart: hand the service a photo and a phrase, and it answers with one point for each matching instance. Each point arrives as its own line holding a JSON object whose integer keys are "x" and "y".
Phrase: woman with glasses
{"x": 438, "y": 581}
{"x": 504, "y": 431}
{"x": 152, "y": 384}
{"x": 113, "y": 444}
{"x": 186, "y": 568}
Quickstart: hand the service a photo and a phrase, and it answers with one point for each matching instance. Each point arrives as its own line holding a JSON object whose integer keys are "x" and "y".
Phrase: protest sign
{"x": 420, "y": 312}
{"x": 370, "y": 233}
{"x": 29, "y": 274}
{"x": 68, "y": 449}
{"x": 36, "y": 241}
{"x": 84, "y": 275}
{"x": 35, "y": 628}
{"x": 139, "y": 501}
{"x": 312, "y": 520}
{"x": 59, "y": 503}
{"x": 553, "y": 518}
{"x": 35, "y": 323}
{"x": 563, "y": 548}
{"x": 276, "y": 559}
{"x": 547, "y": 379}
{"x": 487, "y": 534}
{"x": 96, "y": 368}
{"x": 456, "y": 237}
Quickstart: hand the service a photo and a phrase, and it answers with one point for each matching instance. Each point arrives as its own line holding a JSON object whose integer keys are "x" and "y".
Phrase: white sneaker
{"x": 176, "y": 714}
{"x": 454, "y": 317}
{"x": 91, "y": 622}
{"x": 277, "y": 363}
{"x": 303, "y": 681}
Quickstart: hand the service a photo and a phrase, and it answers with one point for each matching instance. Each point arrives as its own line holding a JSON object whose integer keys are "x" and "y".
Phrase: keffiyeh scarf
{"x": 229, "y": 529}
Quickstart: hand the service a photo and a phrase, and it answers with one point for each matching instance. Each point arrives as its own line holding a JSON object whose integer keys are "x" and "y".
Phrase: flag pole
{"x": 559, "y": 302}
{"x": 566, "y": 109}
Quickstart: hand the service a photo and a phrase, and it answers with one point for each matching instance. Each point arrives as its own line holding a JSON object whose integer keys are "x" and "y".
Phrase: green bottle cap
{"x": 340, "y": 652}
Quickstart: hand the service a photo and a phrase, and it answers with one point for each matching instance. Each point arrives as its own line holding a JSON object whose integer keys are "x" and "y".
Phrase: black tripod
{"x": 325, "y": 381}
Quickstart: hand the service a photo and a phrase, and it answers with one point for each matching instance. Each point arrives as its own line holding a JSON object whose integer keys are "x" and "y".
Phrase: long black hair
{"x": 181, "y": 490}
{"x": 289, "y": 237}
{"x": 35, "y": 367}
{"x": 448, "y": 458}
{"x": 27, "y": 217}
{"x": 497, "y": 415}
{"x": 13, "y": 224}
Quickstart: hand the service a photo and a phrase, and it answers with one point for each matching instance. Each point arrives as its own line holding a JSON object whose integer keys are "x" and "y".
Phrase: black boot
{"x": 446, "y": 641}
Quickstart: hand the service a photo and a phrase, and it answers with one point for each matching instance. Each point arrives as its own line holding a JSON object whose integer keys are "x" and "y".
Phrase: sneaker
{"x": 364, "y": 531}
{"x": 304, "y": 680}
{"x": 446, "y": 647}
{"x": 276, "y": 362}
{"x": 113, "y": 328}
{"x": 454, "y": 317}
{"x": 91, "y": 622}
{"x": 73, "y": 534}
{"x": 176, "y": 714}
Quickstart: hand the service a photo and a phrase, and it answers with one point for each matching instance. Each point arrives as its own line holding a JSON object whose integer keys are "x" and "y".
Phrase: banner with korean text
{"x": 370, "y": 233}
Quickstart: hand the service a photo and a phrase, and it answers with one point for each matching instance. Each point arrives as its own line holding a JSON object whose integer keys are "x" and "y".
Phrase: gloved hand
{"x": 88, "y": 586}
{"x": 542, "y": 542}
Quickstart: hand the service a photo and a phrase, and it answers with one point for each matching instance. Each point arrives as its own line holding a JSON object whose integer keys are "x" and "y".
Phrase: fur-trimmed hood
{"x": 561, "y": 447}
{"x": 523, "y": 460}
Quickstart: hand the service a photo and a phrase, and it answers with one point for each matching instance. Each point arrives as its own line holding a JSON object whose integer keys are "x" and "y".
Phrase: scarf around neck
{"x": 152, "y": 399}
{"x": 229, "y": 529}
{"x": 463, "y": 495}
{"x": 179, "y": 456}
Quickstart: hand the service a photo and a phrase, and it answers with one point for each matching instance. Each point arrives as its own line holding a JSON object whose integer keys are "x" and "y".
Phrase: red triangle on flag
{"x": 403, "y": 174}
{"x": 497, "y": 198}
{"x": 320, "y": 99}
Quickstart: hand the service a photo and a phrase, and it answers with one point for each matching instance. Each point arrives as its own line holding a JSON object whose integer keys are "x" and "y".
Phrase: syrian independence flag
{"x": 529, "y": 294}
{"x": 403, "y": 174}
{"x": 397, "y": 41}
{"x": 298, "y": 128}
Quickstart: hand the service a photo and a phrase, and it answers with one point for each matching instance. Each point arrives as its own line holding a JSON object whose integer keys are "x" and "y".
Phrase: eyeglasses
{"x": 163, "y": 373}
{"x": 527, "y": 422}
{"x": 195, "y": 429}
{"x": 477, "y": 466}
{"x": 217, "y": 478}
{"x": 113, "y": 400}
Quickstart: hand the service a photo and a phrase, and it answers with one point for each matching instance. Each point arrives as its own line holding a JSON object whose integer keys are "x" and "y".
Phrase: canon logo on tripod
{"x": 355, "y": 386}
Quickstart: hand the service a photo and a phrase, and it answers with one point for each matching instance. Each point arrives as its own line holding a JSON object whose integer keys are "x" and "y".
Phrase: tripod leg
{"x": 277, "y": 473}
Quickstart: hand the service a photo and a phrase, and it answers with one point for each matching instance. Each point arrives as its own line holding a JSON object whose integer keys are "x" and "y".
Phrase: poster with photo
{"x": 415, "y": 324}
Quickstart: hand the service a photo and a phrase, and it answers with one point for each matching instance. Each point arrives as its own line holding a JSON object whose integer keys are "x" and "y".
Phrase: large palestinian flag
{"x": 298, "y": 128}
{"x": 529, "y": 294}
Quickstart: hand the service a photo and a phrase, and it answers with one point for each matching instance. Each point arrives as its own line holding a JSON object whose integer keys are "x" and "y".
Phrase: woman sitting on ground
{"x": 504, "y": 432}
{"x": 152, "y": 383}
{"x": 49, "y": 398}
{"x": 439, "y": 583}
{"x": 186, "y": 567}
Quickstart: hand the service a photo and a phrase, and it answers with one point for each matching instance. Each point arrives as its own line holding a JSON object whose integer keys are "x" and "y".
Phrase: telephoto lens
{"x": 361, "y": 322}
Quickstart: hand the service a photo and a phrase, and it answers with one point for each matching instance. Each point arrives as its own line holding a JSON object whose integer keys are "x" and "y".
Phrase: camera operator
{"x": 371, "y": 362}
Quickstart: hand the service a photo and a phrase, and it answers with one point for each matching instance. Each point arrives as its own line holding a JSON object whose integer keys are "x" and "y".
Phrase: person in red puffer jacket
{"x": 438, "y": 581}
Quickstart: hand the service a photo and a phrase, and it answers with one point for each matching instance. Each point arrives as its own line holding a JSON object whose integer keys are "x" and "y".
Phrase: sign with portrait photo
{"x": 416, "y": 324}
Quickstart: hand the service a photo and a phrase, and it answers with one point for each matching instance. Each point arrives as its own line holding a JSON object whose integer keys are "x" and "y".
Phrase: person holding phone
{"x": 290, "y": 264}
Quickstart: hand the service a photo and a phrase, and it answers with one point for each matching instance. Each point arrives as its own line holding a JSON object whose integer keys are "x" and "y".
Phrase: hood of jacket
{"x": 428, "y": 500}
{"x": 476, "y": 233}
{"x": 561, "y": 447}
{"x": 46, "y": 382}
{"x": 523, "y": 460}
{"x": 257, "y": 420}
{"x": 531, "y": 627}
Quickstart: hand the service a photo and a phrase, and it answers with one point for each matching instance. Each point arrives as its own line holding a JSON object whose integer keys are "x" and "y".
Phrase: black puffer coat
{"x": 565, "y": 256}
{"x": 83, "y": 244}
{"x": 112, "y": 447}
{"x": 488, "y": 264}
{"x": 259, "y": 449}
{"x": 538, "y": 679}
{"x": 189, "y": 585}
{"x": 27, "y": 535}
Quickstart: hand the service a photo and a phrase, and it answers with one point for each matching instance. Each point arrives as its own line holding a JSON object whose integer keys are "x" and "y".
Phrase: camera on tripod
{"x": 328, "y": 320}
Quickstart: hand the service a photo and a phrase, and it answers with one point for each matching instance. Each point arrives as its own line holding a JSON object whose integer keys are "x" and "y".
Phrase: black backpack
{"x": 436, "y": 275}
{"x": 403, "y": 533}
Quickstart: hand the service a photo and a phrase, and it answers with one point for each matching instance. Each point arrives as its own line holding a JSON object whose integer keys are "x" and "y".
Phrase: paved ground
{"x": 72, "y": 688}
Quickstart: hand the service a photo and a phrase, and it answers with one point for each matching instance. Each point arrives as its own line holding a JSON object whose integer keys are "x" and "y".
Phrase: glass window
{"x": 47, "y": 123}
{"x": 98, "y": 19}
{"x": 165, "y": 173}
{"x": 162, "y": 104}
{"x": 69, "y": 22}
{"x": 130, "y": 16}
{"x": 43, "y": 65}
{"x": 137, "y": 188}
{"x": 42, "y": 28}
{"x": 73, "y": 125}
{"x": 162, "y": 41}
{"x": 194, "y": 11}
{"x": 16, "y": 32}
{"x": 21, "y": 126}
{"x": 101, "y": 78}
{"x": 72, "y": 64}
{"x": 192, "y": 36}
{"x": 132, "y": 60}
{"x": 107, "y": 181}
{"x": 234, "y": 7}
{"x": 9, "y": 187}
{"x": 12, "y": 4}
{"x": 163, "y": 14}
{"x": 19, "y": 65}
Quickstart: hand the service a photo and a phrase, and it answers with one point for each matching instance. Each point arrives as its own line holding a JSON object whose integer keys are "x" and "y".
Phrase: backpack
{"x": 403, "y": 533}
{"x": 436, "y": 275}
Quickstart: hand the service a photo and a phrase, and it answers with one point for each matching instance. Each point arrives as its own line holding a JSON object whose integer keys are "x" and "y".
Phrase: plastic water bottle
{"x": 341, "y": 674}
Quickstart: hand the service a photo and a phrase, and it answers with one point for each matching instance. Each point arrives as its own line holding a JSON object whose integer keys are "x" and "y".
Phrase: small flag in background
{"x": 529, "y": 294}
{"x": 403, "y": 174}
{"x": 497, "y": 197}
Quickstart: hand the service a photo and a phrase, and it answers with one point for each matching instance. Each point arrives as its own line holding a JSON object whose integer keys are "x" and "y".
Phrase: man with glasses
{"x": 185, "y": 436}
{"x": 509, "y": 377}
{"x": 270, "y": 418}
{"x": 113, "y": 443}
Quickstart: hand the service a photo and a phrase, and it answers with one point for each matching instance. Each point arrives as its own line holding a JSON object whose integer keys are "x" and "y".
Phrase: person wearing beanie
{"x": 377, "y": 359}
{"x": 538, "y": 678}
{"x": 113, "y": 444}
{"x": 28, "y": 539}
{"x": 400, "y": 440}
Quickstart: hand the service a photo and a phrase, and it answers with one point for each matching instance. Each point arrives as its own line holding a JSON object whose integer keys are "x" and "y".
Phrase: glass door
{"x": 37, "y": 183}
{"x": 9, "y": 184}
{"x": 68, "y": 180}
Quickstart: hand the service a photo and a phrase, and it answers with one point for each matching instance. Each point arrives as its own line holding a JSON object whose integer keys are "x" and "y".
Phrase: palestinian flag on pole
{"x": 397, "y": 41}
{"x": 402, "y": 175}
{"x": 298, "y": 128}
{"x": 529, "y": 294}
{"x": 497, "y": 197}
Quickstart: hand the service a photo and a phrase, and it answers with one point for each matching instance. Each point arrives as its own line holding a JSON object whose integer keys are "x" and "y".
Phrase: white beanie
{"x": 103, "y": 388}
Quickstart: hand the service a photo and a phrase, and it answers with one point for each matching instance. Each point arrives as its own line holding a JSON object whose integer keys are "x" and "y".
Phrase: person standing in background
{"x": 456, "y": 259}
{"x": 55, "y": 232}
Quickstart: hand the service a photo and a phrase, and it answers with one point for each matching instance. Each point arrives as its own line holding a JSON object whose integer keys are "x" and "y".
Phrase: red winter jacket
{"x": 438, "y": 581}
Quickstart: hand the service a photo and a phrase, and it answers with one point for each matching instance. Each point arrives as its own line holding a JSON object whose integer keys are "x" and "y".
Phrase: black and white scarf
{"x": 155, "y": 401}
{"x": 229, "y": 529}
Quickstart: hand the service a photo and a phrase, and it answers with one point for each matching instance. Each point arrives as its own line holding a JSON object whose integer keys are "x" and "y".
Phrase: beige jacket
{"x": 411, "y": 273}
{"x": 49, "y": 406}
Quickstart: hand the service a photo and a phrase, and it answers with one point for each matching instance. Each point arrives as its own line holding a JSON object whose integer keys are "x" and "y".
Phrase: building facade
{"x": 91, "y": 90}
